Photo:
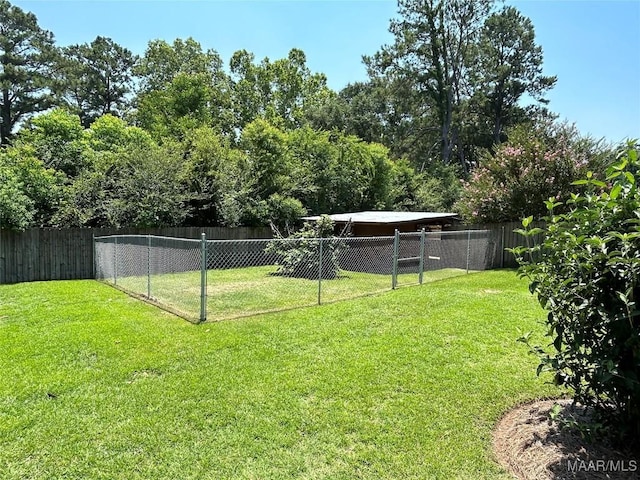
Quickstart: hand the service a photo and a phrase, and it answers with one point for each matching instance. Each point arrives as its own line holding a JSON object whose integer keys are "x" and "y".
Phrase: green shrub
{"x": 284, "y": 211}
{"x": 586, "y": 273}
{"x": 299, "y": 254}
{"x": 16, "y": 209}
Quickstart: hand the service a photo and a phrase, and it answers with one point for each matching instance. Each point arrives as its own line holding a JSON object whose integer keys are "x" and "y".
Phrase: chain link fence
{"x": 166, "y": 271}
{"x": 434, "y": 255}
{"x": 220, "y": 279}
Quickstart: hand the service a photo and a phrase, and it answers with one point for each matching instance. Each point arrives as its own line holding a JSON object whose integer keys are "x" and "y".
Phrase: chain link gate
{"x": 428, "y": 256}
{"x": 408, "y": 255}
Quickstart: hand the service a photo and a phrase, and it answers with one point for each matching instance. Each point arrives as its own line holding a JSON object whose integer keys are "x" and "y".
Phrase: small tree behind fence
{"x": 307, "y": 253}
{"x": 218, "y": 279}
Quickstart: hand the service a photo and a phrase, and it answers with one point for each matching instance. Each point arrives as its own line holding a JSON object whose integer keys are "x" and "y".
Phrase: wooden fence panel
{"x": 504, "y": 237}
{"x": 67, "y": 254}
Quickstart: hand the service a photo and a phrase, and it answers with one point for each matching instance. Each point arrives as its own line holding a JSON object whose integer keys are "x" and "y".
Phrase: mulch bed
{"x": 530, "y": 447}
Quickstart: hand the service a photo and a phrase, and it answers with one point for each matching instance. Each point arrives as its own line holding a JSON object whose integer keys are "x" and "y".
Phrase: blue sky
{"x": 592, "y": 46}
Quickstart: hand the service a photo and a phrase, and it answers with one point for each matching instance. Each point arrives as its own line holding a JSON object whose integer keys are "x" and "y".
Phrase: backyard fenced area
{"x": 221, "y": 279}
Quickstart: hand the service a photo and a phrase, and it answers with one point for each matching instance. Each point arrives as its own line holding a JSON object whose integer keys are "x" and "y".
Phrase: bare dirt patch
{"x": 491, "y": 291}
{"x": 530, "y": 447}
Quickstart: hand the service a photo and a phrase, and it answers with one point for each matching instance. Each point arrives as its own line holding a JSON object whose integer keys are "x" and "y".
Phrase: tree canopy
{"x": 27, "y": 56}
{"x": 453, "y": 78}
{"x": 95, "y": 79}
{"x": 94, "y": 135}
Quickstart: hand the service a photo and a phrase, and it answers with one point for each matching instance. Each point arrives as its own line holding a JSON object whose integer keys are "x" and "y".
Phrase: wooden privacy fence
{"x": 67, "y": 254}
{"x": 503, "y": 237}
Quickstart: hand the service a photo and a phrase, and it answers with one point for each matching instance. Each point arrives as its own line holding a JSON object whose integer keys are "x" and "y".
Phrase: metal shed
{"x": 384, "y": 223}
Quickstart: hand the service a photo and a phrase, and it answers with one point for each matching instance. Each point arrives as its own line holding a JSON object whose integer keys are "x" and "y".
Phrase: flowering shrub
{"x": 523, "y": 173}
{"x": 586, "y": 274}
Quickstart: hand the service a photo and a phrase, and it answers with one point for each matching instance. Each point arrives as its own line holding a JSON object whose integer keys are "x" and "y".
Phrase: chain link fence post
{"x": 148, "y": 266}
{"x": 115, "y": 261}
{"x": 319, "y": 271}
{"x": 396, "y": 250}
{"x": 93, "y": 252}
{"x": 203, "y": 278}
{"x": 502, "y": 248}
{"x": 421, "y": 266}
{"x": 468, "y": 248}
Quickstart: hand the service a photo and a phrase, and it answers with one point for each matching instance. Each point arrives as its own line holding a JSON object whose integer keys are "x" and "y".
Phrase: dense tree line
{"x": 57, "y": 173}
{"x": 93, "y": 135}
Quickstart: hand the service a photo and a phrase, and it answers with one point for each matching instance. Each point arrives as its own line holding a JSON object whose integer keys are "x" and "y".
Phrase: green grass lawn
{"x": 404, "y": 384}
{"x": 240, "y": 292}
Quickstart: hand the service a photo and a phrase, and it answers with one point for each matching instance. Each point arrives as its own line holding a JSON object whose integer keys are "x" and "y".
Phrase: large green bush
{"x": 586, "y": 274}
{"x": 29, "y": 191}
{"x": 16, "y": 209}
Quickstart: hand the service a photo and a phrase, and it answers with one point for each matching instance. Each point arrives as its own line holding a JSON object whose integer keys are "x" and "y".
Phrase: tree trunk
{"x": 447, "y": 120}
{"x": 497, "y": 120}
{"x": 446, "y": 144}
{"x": 497, "y": 129}
{"x": 6, "y": 125}
{"x": 460, "y": 150}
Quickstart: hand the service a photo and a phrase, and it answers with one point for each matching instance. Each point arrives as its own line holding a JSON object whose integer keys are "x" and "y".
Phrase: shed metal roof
{"x": 385, "y": 217}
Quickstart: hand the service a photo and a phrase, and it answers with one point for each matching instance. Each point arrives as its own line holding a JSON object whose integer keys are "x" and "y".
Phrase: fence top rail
{"x": 316, "y": 239}
{"x": 445, "y": 232}
{"x": 183, "y": 239}
{"x": 259, "y": 240}
{"x": 240, "y": 240}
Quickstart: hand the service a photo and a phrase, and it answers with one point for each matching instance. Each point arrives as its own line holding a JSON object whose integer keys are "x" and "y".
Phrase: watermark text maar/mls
{"x": 602, "y": 466}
